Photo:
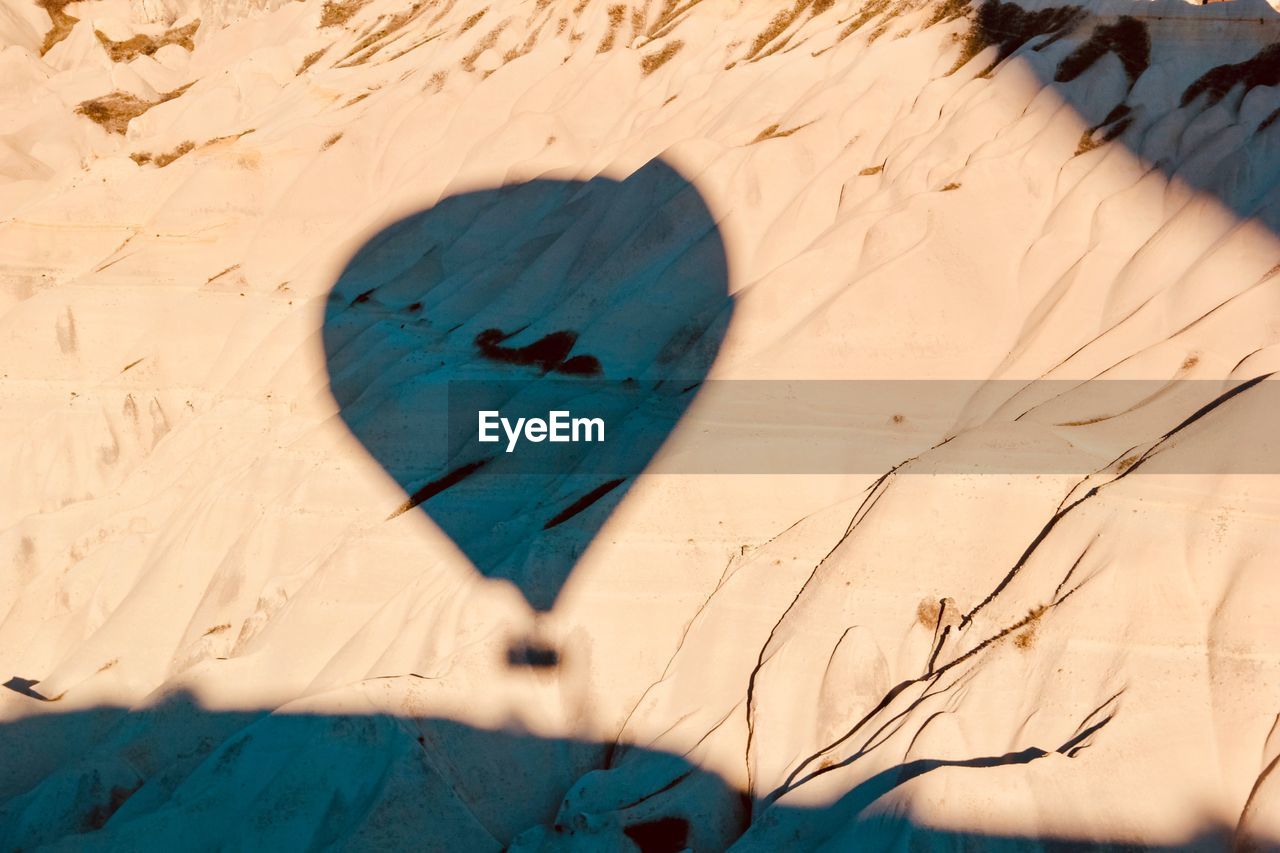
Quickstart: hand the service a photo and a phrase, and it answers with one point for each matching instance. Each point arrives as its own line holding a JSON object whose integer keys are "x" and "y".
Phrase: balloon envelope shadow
{"x": 605, "y": 299}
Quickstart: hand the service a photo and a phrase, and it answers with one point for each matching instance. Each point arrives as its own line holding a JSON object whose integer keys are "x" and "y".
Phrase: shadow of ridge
{"x": 1168, "y": 80}
{"x": 601, "y": 298}
{"x": 177, "y": 774}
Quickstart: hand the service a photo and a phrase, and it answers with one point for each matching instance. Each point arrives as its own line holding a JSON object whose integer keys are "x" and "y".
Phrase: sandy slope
{"x": 197, "y": 562}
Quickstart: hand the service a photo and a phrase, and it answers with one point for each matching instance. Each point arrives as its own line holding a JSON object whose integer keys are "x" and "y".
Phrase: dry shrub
{"x": 1216, "y": 83}
{"x": 947, "y": 10}
{"x": 516, "y": 52}
{"x": 162, "y": 160}
{"x": 1127, "y": 38}
{"x": 872, "y": 170}
{"x": 472, "y": 20}
{"x": 113, "y": 112}
{"x": 767, "y": 133}
{"x": 1086, "y": 144}
{"x": 331, "y": 141}
{"x": 777, "y": 26}
{"x": 928, "y": 613}
{"x": 773, "y": 132}
{"x": 173, "y": 93}
{"x": 665, "y": 14}
{"x": 140, "y": 45}
{"x": 335, "y": 13}
{"x": 182, "y": 148}
{"x": 880, "y": 30}
{"x": 62, "y": 23}
{"x": 1007, "y": 27}
{"x": 870, "y": 9}
{"x": 489, "y": 40}
{"x": 101, "y": 813}
{"x": 395, "y": 22}
{"x": 951, "y": 186}
{"x": 311, "y": 59}
{"x": 616, "y": 14}
{"x": 1026, "y": 637}
{"x": 437, "y": 81}
{"x": 654, "y": 61}
{"x": 1116, "y": 123}
{"x": 668, "y": 18}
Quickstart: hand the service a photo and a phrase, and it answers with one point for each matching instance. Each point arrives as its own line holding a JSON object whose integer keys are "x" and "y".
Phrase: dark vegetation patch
{"x": 101, "y": 813}
{"x": 946, "y": 11}
{"x": 872, "y": 170}
{"x": 1007, "y": 26}
{"x": 435, "y": 487}
{"x": 1116, "y": 123}
{"x": 489, "y": 40}
{"x": 774, "y": 131}
{"x": 472, "y": 20}
{"x": 164, "y": 158}
{"x": 869, "y": 10}
{"x": 664, "y": 835}
{"x": 654, "y": 61}
{"x": 928, "y": 612}
{"x": 637, "y": 22}
{"x": 62, "y": 22}
{"x": 1026, "y": 637}
{"x": 948, "y": 188}
{"x": 777, "y": 26}
{"x": 311, "y": 59}
{"x": 372, "y": 41}
{"x": 1127, "y": 38}
{"x": 114, "y": 111}
{"x": 583, "y": 502}
{"x": 530, "y": 42}
{"x": 1217, "y": 83}
{"x": 666, "y": 21}
{"x": 335, "y": 13}
{"x": 140, "y": 45}
{"x": 550, "y": 352}
{"x": 616, "y": 15}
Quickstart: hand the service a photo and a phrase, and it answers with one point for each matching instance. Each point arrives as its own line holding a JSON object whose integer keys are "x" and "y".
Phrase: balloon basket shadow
{"x": 532, "y": 652}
